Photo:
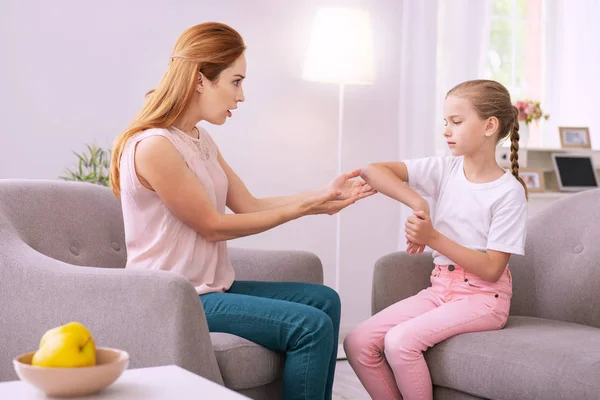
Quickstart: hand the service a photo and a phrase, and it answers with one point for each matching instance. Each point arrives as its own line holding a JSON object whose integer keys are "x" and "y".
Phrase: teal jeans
{"x": 301, "y": 320}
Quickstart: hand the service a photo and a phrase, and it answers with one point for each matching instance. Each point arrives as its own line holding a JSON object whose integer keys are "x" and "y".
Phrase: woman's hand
{"x": 419, "y": 232}
{"x": 349, "y": 187}
{"x": 326, "y": 203}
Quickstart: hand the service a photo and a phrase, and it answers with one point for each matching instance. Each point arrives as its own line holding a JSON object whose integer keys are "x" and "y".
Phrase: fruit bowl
{"x": 70, "y": 382}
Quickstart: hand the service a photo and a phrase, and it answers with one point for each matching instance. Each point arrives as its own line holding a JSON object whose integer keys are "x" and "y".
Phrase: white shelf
{"x": 541, "y": 158}
{"x": 548, "y": 195}
{"x": 560, "y": 150}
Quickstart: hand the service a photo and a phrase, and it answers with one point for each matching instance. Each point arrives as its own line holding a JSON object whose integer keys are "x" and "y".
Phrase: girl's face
{"x": 466, "y": 133}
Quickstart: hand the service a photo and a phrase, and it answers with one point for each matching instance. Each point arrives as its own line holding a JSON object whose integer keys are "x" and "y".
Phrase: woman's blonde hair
{"x": 207, "y": 48}
{"x": 491, "y": 99}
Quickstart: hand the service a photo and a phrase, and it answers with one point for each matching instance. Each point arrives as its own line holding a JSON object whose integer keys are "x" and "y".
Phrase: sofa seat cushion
{"x": 531, "y": 358}
{"x": 244, "y": 364}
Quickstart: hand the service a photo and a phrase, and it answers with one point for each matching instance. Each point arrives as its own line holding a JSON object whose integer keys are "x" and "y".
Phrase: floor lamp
{"x": 340, "y": 52}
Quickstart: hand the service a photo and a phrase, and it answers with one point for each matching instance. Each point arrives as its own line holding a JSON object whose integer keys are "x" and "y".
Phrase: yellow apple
{"x": 72, "y": 327}
{"x": 67, "y": 346}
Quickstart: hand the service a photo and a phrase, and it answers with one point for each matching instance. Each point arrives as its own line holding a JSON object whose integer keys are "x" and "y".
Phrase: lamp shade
{"x": 341, "y": 47}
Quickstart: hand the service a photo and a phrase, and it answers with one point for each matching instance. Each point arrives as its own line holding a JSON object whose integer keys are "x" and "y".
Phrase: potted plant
{"x": 93, "y": 167}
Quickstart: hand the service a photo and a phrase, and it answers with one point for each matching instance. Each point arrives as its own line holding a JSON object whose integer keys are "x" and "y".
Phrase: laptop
{"x": 574, "y": 172}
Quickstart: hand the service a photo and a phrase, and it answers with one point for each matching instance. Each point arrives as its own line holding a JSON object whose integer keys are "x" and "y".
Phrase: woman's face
{"x": 217, "y": 99}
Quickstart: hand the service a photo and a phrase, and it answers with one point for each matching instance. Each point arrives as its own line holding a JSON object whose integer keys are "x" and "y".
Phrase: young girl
{"x": 480, "y": 221}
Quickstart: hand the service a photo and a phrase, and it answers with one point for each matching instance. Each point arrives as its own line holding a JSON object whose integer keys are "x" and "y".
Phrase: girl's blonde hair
{"x": 207, "y": 48}
{"x": 491, "y": 99}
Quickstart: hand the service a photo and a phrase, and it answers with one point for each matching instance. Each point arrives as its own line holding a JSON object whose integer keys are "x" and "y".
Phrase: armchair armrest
{"x": 155, "y": 316}
{"x": 276, "y": 265}
{"x": 398, "y": 276}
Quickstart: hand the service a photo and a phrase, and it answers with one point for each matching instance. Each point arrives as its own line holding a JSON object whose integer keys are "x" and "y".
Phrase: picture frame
{"x": 533, "y": 178}
{"x": 575, "y": 137}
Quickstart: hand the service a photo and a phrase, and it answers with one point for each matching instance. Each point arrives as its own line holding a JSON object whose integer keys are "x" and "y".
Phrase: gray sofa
{"x": 550, "y": 347}
{"x": 62, "y": 254}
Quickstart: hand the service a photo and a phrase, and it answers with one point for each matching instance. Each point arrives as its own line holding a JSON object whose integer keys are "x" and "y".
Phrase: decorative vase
{"x": 523, "y": 134}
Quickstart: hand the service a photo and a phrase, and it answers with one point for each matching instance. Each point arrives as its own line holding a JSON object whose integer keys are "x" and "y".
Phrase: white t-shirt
{"x": 479, "y": 216}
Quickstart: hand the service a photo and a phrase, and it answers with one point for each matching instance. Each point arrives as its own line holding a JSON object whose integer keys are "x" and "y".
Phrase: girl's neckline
{"x": 483, "y": 185}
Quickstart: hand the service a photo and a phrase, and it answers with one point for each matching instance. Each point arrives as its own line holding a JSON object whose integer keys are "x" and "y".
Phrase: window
{"x": 516, "y": 44}
{"x": 515, "y": 54}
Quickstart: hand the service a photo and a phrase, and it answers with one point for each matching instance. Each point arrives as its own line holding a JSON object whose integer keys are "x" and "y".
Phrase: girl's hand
{"x": 349, "y": 188}
{"x": 413, "y": 248}
{"x": 419, "y": 230}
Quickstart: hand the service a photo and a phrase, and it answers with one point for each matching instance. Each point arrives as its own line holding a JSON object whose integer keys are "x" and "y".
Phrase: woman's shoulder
{"x": 153, "y": 141}
{"x": 141, "y": 135}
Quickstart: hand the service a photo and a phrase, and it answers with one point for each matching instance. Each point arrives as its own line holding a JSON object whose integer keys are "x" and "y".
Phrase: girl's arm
{"x": 161, "y": 169}
{"x": 240, "y": 200}
{"x": 390, "y": 179}
{"x": 488, "y": 266}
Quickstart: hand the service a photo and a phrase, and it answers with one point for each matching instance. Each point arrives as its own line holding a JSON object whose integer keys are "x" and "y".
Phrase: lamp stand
{"x": 339, "y": 172}
{"x": 341, "y": 355}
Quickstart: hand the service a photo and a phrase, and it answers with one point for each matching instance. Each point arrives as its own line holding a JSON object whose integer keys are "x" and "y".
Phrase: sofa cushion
{"x": 531, "y": 358}
{"x": 245, "y": 364}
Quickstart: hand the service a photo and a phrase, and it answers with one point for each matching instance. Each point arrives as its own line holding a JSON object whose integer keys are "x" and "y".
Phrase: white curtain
{"x": 463, "y": 44}
{"x": 417, "y": 105}
{"x": 464, "y": 32}
{"x": 572, "y": 82}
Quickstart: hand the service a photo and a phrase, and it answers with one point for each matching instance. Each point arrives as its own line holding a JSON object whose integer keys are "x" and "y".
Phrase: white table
{"x": 156, "y": 383}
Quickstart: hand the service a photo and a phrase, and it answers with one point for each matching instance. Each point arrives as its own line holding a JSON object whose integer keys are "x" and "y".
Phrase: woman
{"x": 174, "y": 186}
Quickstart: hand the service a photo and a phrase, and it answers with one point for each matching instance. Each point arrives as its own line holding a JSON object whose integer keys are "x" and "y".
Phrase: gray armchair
{"x": 62, "y": 258}
{"x": 550, "y": 346}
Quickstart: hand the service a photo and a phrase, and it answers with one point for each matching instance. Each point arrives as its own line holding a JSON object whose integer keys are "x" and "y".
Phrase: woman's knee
{"x": 328, "y": 299}
{"x": 318, "y": 326}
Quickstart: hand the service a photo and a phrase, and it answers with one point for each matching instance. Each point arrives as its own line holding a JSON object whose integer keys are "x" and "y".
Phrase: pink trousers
{"x": 386, "y": 351}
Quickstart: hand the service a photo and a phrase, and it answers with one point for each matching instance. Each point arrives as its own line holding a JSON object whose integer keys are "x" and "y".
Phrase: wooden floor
{"x": 346, "y": 385}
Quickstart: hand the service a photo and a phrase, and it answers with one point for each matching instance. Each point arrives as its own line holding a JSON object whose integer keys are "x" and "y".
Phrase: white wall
{"x": 75, "y": 72}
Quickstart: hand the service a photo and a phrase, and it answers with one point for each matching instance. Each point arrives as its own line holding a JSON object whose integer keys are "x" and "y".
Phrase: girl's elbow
{"x": 495, "y": 275}
{"x": 367, "y": 172}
